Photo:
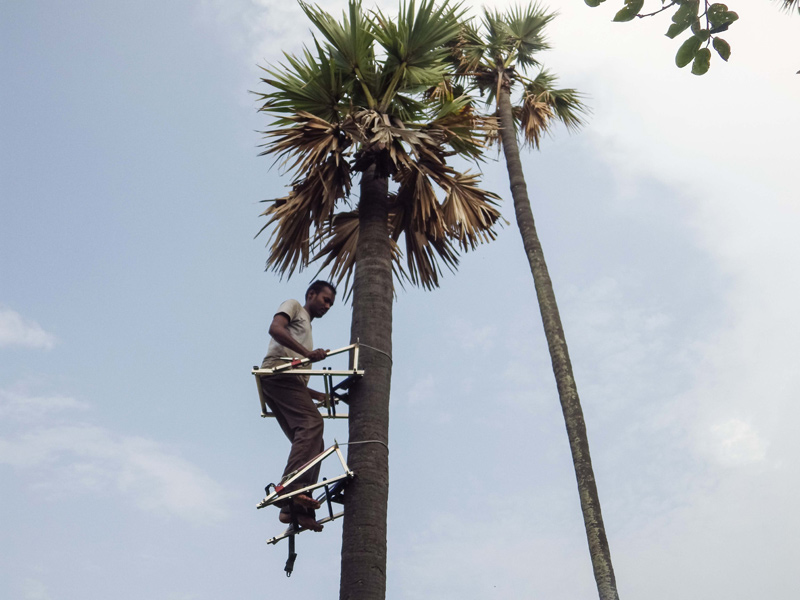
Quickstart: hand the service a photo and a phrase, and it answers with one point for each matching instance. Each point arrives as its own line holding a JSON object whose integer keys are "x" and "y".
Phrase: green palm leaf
{"x": 350, "y": 43}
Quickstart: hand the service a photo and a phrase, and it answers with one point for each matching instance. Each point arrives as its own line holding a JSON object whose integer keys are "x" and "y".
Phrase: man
{"x": 289, "y": 397}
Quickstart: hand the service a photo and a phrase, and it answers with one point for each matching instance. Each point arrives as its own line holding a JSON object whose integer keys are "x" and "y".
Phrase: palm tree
{"x": 494, "y": 58}
{"x": 371, "y": 98}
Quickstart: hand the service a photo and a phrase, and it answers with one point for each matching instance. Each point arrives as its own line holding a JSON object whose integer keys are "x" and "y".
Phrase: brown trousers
{"x": 288, "y": 398}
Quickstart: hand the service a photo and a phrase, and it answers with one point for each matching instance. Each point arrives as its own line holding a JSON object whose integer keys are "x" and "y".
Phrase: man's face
{"x": 319, "y": 303}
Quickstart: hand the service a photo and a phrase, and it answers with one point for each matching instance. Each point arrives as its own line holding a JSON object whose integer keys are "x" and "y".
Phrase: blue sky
{"x": 133, "y": 302}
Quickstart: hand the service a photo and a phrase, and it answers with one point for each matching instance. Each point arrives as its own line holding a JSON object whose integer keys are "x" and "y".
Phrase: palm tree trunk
{"x": 364, "y": 533}
{"x": 562, "y": 368}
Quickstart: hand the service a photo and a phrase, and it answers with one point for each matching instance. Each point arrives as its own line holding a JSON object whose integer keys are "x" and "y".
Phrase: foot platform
{"x": 333, "y": 493}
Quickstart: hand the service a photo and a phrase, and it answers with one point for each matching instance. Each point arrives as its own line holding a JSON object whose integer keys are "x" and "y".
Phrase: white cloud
{"x": 422, "y": 391}
{"x": 737, "y": 443}
{"x": 33, "y": 589}
{"x": 17, "y": 405}
{"x": 74, "y": 457}
{"x": 470, "y": 336}
{"x": 18, "y": 331}
{"x": 492, "y": 551}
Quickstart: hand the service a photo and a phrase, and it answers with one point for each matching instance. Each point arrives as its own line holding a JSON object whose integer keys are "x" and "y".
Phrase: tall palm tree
{"x": 371, "y": 98}
{"x": 494, "y": 57}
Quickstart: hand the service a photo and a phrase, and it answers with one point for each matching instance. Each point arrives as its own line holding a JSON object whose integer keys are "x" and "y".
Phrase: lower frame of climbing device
{"x": 277, "y": 496}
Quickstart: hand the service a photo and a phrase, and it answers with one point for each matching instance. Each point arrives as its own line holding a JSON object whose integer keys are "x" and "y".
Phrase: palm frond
{"x": 290, "y": 242}
{"x": 496, "y": 39}
{"x": 416, "y": 45}
{"x": 310, "y": 141}
{"x": 542, "y": 102}
{"x": 470, "y": 212}
{"x": 416, "y": 198}
{"x": 462, "y": 128}
{"x": 310, "y": 84}
{"x": 426, "y": 253}
{"x": 310, "y": 203}
{"x": 469, "y": 50}
{"x": 350, "y": 43}
{"x": 337, "y": 244}
{"x": 534, "y": 118}
{"x": 526, "y": 32}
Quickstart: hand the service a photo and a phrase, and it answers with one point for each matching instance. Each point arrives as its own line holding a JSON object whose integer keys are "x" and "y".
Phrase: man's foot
{"x": 306, "y": 501}
{"x": 305, "y": 521}
{"x": 308, "y": 522}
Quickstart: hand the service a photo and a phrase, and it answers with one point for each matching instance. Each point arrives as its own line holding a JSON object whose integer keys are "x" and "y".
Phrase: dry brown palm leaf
{"x": 470, "y": 212}
{"x": 493, "y": 134}
{"x": 385, "y": 131}
{"x": 534, "y": 116}
{"x": 338, "y": 241}
{"x": 417, "y": 200}
{"x": 466, "y": 131}
{"x": 325, "y": 186}
{"x": 355, "y": 126}
{"x": 424, "y": 255}
{"x": 441, "y": 91}
{"x": 310, "y": 203}
{"x": 312, "y": 140}
{"x": 424, "y": 250}
{"x": 289, "y": 247}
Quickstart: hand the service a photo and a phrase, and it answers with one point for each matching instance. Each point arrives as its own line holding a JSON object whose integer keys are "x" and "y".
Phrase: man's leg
{"x": 298, "y": 417}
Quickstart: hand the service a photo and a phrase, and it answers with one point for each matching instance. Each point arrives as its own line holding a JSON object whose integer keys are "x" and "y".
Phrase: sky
{"x": 134, "y": 301}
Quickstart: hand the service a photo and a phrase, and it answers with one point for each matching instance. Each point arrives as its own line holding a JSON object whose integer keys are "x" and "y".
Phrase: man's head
{"x": 320, "y": 296}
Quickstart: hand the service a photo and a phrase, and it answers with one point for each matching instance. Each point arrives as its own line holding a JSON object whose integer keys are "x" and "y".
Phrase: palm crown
{"x": 373, "y": 92}
{"x": 497, "y": 53}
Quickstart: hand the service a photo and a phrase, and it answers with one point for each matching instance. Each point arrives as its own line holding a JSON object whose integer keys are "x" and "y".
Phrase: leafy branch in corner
{"x": 704, "y": 27}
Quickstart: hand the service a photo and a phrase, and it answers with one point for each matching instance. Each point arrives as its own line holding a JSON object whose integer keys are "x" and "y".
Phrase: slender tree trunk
{"x": 364, "y": 532}
{"x": 562, "y": 368}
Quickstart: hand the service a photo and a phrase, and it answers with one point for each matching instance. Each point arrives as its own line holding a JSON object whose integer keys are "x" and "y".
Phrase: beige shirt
{"x": 299, "y": 328}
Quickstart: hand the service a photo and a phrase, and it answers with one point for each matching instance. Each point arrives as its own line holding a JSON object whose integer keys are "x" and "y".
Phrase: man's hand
{"x": 317, "y": 355}
{"x": 317, "y": 396}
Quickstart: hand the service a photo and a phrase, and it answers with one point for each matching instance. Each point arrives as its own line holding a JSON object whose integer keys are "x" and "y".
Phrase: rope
{"x": 367, "y": 442}
{"x": 386, "y": 354}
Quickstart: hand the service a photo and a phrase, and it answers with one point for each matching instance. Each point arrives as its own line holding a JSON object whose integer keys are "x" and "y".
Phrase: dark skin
{"x": 317, "y": 304}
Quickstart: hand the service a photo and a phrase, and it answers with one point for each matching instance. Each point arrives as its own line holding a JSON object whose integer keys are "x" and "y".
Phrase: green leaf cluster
{"x": 703, "y": 18}
{"x": 717, "y": 18}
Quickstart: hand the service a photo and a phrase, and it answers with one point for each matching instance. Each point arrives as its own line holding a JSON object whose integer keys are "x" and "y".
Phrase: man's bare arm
{"x": 279, "y": 330}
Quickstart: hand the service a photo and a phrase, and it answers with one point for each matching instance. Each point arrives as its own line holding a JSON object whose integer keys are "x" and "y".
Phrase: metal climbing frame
{"x": 334, "y": 392}
{"x": 333, "y": 491}
{"x": 277, "y": 496}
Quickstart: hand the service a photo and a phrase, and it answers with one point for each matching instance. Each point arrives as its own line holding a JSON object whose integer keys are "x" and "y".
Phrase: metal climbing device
{"x": 331, "y": 490}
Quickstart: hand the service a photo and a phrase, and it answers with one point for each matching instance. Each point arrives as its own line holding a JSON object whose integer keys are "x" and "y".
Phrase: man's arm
{"x": 279, "y": 330}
